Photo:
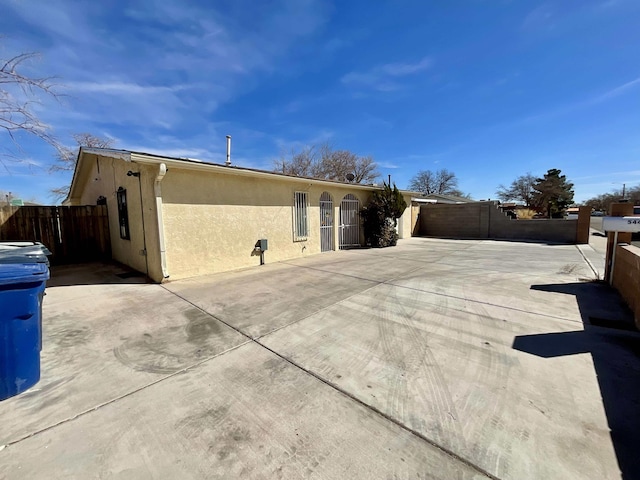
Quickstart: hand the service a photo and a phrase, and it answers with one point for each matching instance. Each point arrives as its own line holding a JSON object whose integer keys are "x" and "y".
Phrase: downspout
{"x": 162, "y": 171}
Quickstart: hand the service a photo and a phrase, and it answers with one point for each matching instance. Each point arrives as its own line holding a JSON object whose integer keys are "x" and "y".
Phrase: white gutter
{"x": 162, "y": 171}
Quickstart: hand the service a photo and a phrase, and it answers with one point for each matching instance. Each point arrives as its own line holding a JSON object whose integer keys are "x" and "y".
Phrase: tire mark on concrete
{"x": 423, "y": 359}
{"x": 435, "y": 444}
{"x": 480, "y": 430}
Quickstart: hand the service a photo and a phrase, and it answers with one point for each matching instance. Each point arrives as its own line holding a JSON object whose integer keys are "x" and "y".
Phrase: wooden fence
{"x": 73, "y": 234}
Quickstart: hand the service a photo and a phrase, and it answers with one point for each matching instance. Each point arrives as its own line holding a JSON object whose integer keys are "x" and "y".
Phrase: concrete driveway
{"x": 435, "y": 359}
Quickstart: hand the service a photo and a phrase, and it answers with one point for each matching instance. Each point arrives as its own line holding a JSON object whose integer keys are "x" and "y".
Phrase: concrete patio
{"x": 436, "y": 359}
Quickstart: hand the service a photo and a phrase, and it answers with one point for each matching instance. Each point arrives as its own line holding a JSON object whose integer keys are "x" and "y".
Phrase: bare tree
{"x": 521, "y": 190}
{"x": 302, "y": 163}
{"x": 443, "y": 182}
{"x": 603, "y": 201}
{"x": 18, "y": 95}
{"x": 67, "y": 157}
{"x": 322, "y": 161}
{"x": 365, "y": 170}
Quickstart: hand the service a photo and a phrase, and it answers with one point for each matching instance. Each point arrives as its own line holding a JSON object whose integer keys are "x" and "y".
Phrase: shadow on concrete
{"x": 94, "y": 273}
{"x": 616, "y": 357}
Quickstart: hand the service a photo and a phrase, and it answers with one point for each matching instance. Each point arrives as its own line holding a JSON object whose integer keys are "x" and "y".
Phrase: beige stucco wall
{"x": 213, "y": 221}
{"x": 104, "y": 178}
{"x": 212, "y": 218}
{"x": 405, "y": 222}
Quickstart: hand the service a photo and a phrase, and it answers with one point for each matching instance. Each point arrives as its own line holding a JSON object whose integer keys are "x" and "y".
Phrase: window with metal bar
{"x": 123, "y": 213}
{"x": 300, "y": 216}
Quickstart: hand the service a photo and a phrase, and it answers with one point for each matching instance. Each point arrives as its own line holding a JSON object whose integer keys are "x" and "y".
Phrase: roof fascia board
{"x": 108, "y": 152}
{"x": 230, "y": 170}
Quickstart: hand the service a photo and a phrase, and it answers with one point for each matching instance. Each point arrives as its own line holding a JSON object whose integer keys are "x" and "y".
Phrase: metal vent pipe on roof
{"x": 228, "y": 162}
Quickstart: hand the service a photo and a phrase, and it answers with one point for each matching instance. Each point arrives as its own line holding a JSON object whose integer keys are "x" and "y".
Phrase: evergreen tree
{"x": 380, "y": 215}
{"x": 552, "y": 193}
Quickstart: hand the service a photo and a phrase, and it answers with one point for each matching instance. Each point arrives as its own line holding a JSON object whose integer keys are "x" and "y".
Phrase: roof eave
{"x": 188, "y": 164}
{"x": 80, "y": 166}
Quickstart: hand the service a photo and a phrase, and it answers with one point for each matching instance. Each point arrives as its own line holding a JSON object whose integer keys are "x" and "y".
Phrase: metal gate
{"x": 326, "y": 222}
{"x": 349, "y": 222}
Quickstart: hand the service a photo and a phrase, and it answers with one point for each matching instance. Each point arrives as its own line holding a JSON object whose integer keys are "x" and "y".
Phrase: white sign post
{"x": 619, "y": 224}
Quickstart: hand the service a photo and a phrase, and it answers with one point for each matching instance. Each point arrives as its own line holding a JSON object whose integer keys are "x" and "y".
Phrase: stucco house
{"x": 177, "y": 218}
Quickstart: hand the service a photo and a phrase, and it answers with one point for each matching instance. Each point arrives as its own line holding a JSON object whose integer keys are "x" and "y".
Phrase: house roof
{"x": 438, "y": 197}
{"x": 193, "y": 164}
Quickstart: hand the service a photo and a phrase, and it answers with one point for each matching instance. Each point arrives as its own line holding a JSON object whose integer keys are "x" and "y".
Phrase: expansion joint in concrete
{"x": 404, "y": 427}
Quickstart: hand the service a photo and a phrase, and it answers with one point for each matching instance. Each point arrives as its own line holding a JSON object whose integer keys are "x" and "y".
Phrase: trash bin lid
{"x": 21, "y": 244}
{"x": 23, "y": 252}
{"x": 13, "y": 273}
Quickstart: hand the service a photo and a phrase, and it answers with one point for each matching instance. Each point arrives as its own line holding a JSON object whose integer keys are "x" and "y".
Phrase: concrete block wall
{"x": 485, "y": 220}
{"x": 626, "y": 277}
{"x": 444, "y": 220}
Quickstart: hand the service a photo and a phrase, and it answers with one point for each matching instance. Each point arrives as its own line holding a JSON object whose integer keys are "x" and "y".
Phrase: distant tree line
{"x": 601, "y": 202}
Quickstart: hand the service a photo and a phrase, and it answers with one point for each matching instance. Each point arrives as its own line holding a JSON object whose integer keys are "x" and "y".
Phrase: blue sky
{"x": 488, "y": 89}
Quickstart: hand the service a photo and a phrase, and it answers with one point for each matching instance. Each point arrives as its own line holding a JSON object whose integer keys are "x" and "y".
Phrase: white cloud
{"x": 385, "y": 78}
{"x": 402, "y": 69}
{"x": 631, "y": 175}
{"x": 579, "y": 105}
{"x": 161, "y": 63}
{"x": 123, "y": 88}
{"x": 541, "y": 17}
{"x": 388, "y": 165}
{"x": 286, "y": 145}
{"x": 614, "y": 92}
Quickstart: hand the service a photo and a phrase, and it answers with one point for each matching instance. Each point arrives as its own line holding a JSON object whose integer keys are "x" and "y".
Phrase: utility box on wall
{"x": 262, "y": 244}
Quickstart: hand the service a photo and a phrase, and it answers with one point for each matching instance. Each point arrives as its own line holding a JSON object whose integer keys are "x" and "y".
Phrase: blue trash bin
{"x": 21, "y": 292}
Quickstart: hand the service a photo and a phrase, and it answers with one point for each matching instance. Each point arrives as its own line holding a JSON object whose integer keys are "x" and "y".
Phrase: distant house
{"x": 17, "y": 202}
{"x": 505, "y": 206}
{"x": 440, "y": 198}
{"x": 572, "y": 213}
{"x": 174, "y": 217}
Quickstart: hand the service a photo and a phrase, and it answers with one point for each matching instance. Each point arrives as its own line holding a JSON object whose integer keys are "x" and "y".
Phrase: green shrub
{"x": 380, "y": 215}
